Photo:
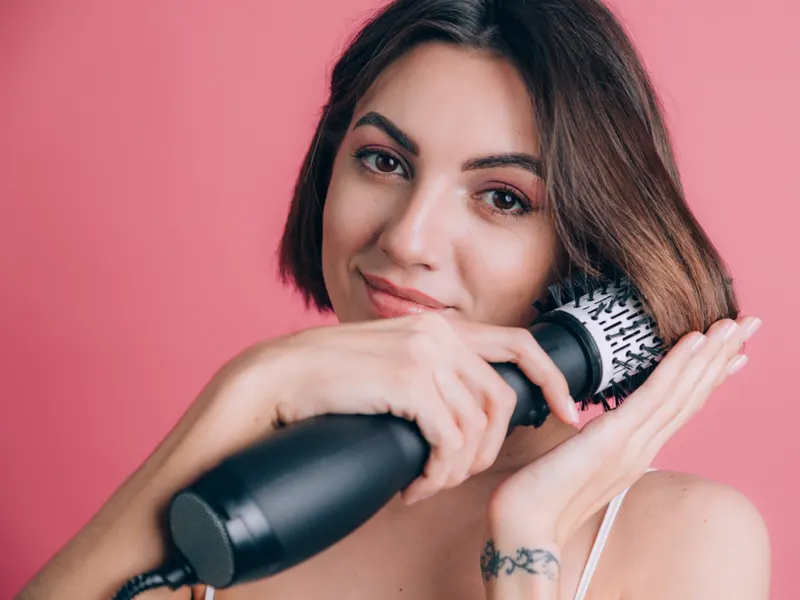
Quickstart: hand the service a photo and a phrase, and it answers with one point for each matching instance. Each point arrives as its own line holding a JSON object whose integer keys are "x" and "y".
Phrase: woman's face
{"x": 434, "y": 200}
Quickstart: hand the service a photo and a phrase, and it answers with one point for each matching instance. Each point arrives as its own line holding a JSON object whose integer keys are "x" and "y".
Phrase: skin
{"x": 446, "y": 232}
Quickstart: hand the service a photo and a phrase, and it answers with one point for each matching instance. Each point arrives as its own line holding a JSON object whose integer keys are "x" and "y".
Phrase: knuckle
{"x": 457, "y": 476}
{"x": 450, "y": 444}
{"x": 430, "y": 321}
{"x": 420, "y": 346}
{"x": 482, "y": 462}
{"x": 476, "y": 421}
{"x": 508, "y": 397}
{"x": 522, "y": 342}
{"x": 719, "y": 328}
{"x": 440, "y": 476}
{"x": 285, "y": 412}
{"x": 503, "y": 398}
{"x": 479, "y": 466}
{"x": 407, "y": 377}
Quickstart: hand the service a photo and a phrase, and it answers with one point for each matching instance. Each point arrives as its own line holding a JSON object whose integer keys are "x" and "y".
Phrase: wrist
{"x": 515, "y": 522}
{"x": 517, "y": 569}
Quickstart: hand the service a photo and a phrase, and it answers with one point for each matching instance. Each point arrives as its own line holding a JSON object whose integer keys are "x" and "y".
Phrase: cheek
{"x": 349, "y": 223}
{"x": 509, "y": 272}
{"x": 349, "y": 218}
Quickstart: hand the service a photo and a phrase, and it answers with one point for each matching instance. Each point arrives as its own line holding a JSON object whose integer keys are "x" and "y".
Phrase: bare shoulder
{"x": 693, "y": 538}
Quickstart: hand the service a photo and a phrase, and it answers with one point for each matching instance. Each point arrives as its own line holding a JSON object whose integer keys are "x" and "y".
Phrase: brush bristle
{"x": 571, "y": 290}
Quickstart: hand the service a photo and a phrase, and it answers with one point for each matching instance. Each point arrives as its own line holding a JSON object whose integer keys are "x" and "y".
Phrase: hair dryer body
{"x": 312, "y": 483}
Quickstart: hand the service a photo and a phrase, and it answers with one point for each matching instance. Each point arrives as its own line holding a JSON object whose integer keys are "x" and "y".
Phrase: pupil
{"x": 504, "y": 200}
{"x": 385, "y": 163}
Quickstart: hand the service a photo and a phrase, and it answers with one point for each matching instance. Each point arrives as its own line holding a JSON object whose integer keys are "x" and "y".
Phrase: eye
{"x": 505, "y": 201}
{"x": 379, "y": 161}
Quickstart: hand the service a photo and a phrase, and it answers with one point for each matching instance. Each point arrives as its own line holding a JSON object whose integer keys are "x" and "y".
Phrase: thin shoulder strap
{"x": 600, "y": 543}
{"x": 594, "y": 557}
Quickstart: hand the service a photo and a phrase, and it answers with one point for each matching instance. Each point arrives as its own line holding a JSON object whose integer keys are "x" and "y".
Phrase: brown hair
{"x": 612, "y": 184}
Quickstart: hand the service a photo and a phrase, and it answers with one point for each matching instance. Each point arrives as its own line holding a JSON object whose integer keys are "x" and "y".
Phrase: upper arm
{"x": 706, "y": 540}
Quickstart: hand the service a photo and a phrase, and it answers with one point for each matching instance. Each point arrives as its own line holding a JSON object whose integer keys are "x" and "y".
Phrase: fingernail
{"x": 737, "y": 363}
{"x": 731, "y": 329}
{"x": 699, "y": 343}
{"x": 573, "y": 411}
{"x": 751, "y": 327}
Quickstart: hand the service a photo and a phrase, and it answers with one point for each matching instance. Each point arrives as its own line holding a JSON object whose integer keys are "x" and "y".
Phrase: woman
{"x": 471, "y": 153}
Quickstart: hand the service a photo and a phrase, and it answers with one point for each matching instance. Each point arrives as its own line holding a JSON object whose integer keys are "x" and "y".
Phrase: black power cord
{"x": 175, "y": 574}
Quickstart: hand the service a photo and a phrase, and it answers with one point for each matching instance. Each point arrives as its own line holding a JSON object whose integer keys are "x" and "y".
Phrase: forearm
{"x": 515, "y": 569}
{"x": 122, "y": 539}
{"x": 126, "y": 536}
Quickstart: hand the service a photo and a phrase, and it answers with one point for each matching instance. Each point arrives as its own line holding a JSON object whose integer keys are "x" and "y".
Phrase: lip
{"x": 390, "y": 300}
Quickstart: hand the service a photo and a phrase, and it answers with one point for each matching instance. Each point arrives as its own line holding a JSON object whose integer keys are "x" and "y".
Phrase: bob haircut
{"x": 611, "y": 182}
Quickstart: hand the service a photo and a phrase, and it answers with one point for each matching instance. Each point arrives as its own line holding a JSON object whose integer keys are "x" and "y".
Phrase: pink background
{"x": 147, "y": 152}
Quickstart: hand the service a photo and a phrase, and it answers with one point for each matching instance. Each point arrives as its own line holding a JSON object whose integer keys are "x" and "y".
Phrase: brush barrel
{"x": 312, "y": 483}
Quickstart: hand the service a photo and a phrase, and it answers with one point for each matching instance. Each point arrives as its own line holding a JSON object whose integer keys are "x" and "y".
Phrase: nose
{"x": 420, "y": 230}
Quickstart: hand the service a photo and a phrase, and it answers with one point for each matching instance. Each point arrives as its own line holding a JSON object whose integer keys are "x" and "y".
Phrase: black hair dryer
{"x": 308, "y": 485}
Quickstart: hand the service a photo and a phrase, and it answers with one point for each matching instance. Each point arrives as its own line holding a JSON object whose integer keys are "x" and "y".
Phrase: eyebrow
{"x": 514, "y": 159}
{"x": 390, "y": 129}
{"x": 525, "y": 161}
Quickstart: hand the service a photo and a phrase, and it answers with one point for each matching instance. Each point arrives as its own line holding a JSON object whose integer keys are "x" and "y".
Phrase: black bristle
{"x": 540, "y": 306}
{"x": 555, "y": 294}
{"x": 617, "y": 392}
{"x": 571, "y": 289}
{"x": 578, "y": 288}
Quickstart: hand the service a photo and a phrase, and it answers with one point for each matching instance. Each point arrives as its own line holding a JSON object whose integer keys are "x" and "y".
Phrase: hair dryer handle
{"x": 312, "y": 483}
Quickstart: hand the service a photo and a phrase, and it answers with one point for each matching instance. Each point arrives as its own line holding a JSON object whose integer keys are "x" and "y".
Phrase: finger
{"x": 491, "y": 401}
{"x": 494, "y": 396}
{"x": 438, "y": 426}
{"x": 516, "y": 345}
{"x": 468, "y": 407}
{"x": 695, "y": 385}
{"x": 500, "y": 400}
{"x": 643, "y": 412}
{"x": 734, "y": 366}
{"x": 677, "y": 392}
{"x": 717, "y": 370}
{"x": 749, "y": 326}
{"x": 432, "y": 478}
{"x": 497, "y": 400}
{"x": 449, "y": 466}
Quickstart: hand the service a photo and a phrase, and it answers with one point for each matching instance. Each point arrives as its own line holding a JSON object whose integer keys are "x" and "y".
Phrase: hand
{"x": 558, "y": 492}
{"x": 427, "y": 369}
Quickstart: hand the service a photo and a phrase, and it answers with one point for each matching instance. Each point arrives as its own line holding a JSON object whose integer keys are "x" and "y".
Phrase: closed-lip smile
{"x": 393, "y": 300}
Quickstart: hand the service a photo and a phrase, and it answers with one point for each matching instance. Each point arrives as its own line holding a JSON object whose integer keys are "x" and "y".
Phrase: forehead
{"x": 473, "y": 101}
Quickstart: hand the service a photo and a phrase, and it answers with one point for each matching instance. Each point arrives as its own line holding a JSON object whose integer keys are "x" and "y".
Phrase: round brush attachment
{"x": 612, "y": 320}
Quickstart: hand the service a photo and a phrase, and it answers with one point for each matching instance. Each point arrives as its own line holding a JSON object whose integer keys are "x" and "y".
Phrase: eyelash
{"x": 362, "y": 154}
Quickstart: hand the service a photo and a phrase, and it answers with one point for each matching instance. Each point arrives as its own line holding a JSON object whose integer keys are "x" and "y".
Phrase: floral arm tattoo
{"x": 535, "y": 562}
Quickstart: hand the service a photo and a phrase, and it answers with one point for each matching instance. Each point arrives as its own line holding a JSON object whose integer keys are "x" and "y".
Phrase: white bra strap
{"x": 600, "y": 543}
{"x": 594, "y": 557}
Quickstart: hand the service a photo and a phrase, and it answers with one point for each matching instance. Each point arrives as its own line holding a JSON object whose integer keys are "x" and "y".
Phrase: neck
{"x": 526, "y": 444}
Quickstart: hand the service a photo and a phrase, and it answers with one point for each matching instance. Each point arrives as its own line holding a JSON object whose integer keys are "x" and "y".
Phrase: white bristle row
{"x": 625, "y": 335}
